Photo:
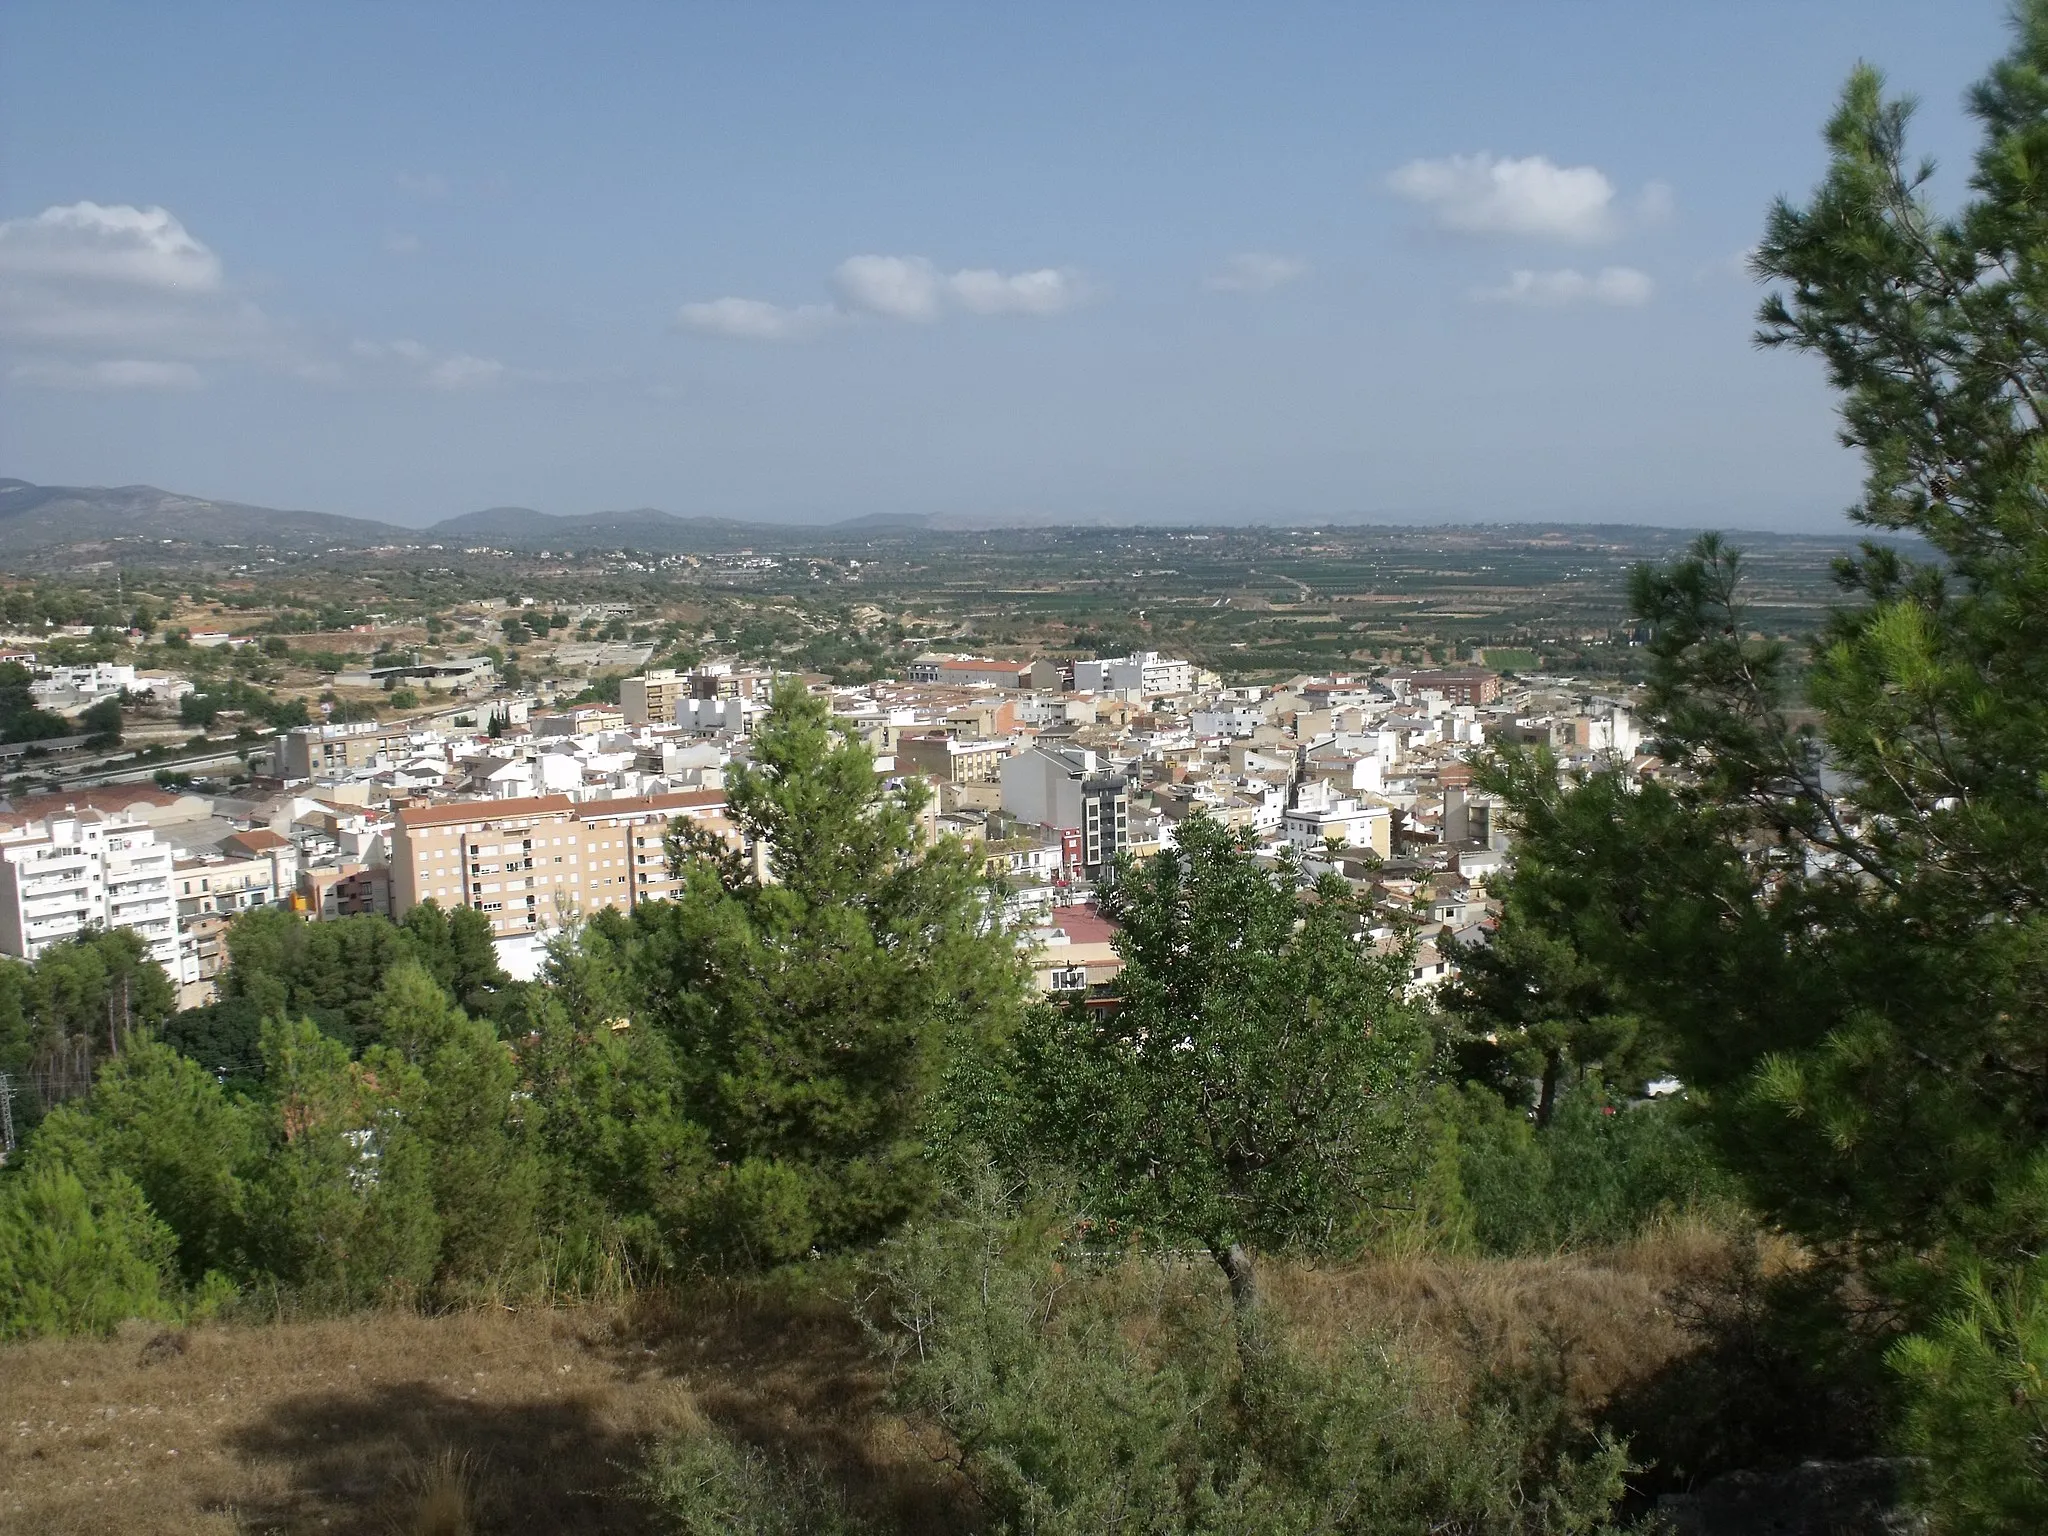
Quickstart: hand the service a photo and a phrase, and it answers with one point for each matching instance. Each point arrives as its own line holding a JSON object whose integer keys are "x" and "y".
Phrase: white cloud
{"x": 1256, "y": 272}
{"x": 757, "y": 319}
{"x": 1045, "y": 291}
{"x": 1621, "y": 286}
{"x": 109, "y": 296}
{"x": 122, "y": 373}
{"x": 115, "y": 244}
{"x": 906, "y": 288}
{"x": 125, "y": 284}
{"x": 452, "y": 372}
{"x": 462, "y": 371}
{"x": 895, "y": 287}
{"x": 1488, "y": 195}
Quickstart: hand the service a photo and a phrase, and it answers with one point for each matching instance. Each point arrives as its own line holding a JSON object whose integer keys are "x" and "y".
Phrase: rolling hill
{"x": 46, "y": 516}
{"x": 132, "y": 521}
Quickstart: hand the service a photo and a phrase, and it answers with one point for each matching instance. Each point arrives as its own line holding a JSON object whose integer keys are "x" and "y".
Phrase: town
{"x": 535, "y": 814}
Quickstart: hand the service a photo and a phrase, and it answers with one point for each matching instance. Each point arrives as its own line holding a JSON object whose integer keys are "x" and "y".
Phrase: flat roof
{"x": 484, "y": 810}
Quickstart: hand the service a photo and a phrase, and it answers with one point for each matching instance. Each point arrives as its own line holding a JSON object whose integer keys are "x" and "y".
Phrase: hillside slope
{"x": 41, "y": 516}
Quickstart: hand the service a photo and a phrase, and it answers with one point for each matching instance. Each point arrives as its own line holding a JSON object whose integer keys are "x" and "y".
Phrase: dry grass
{"x": 1602, "y": 1323}
{"x": 531, "y": 1421}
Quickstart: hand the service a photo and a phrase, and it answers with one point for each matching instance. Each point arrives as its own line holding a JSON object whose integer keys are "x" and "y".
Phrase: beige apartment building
{"x": 312, "y": 751}
{"x": 533, "y": 864}
{"x": 651, "y": 698}
{"x": 950, "y": 760}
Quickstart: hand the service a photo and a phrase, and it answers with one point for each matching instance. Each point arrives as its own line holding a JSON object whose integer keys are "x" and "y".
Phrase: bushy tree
{"x": 341, "y": 1208}
{"x": 1843, "y": 933}
{"x": 21, "y": 718}
{"x": 455, "y": 946}
{"x": 74, "y": 1260}
{"x": 77, "y": 1005}
{"x": 332, "y": 972}
{"x": 1257, "y": 1082}
{"x": 102, "y": 724}
{"x": 159, "y": 1120}
{"x": 813, "y": 1004}
{"x": 481, "y": 1165}
{"x": 1537, "y": 1014}
{"x": 622, "y": 1165}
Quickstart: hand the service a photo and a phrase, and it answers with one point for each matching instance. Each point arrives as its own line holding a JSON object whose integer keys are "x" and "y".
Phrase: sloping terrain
{"x": 539, "y": 1417}
{"x": 40, "y": 516}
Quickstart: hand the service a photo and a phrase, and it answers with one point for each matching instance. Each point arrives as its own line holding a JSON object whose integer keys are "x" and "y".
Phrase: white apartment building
{"x": 63, "y": 875}
{"x": 1147, "y": 673}
{"x": 1320, "y": 815}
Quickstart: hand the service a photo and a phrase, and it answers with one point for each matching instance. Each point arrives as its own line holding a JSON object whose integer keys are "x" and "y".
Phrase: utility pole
{"x": 6, "y": 1116}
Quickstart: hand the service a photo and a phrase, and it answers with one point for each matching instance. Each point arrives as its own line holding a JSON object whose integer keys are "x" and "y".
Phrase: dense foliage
{"x": 21, "y": 718}
{"x": 1257, "y": 1086}
{"x": 1839, "y": 933}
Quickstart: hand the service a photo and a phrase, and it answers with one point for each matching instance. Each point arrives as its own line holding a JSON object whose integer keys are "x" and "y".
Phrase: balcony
{"x": 75, "y": 895}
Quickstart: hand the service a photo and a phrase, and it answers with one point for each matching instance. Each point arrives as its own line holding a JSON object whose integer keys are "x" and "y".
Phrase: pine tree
{"x": 480, "y": 1156}
{"x": 813, "y": 1006}
{"x": 1859, "y": 984}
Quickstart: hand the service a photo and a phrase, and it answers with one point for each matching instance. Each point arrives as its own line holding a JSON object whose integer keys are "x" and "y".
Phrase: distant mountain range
{"x": 47, "y": 517}
{"x": 44, "y": 516}
{"x": 45, "y": 524}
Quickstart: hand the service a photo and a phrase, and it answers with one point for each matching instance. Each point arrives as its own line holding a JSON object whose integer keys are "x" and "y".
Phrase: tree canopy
{"x": 1255, "y": 1083}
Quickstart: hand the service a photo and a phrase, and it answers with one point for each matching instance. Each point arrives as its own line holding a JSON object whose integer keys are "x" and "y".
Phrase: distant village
{"x": 534, "y": 813}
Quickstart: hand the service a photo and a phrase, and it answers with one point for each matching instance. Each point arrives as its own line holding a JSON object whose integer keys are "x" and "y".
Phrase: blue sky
{"x": 1256, "y": 263}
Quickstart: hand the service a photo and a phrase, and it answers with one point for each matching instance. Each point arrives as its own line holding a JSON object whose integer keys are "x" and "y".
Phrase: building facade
{"x": 314, "y": 751}
{"x": 950, "y": 760}
{"x": 969, "y": 672}
{"x": 535, "y": 863}
{"x": 1146, "y": 673}
{"x": 1070, "y": 789}
{"x": 1458, "y": 685}
{"x": 63, "y": 875}
{"x": 651, "y": 698}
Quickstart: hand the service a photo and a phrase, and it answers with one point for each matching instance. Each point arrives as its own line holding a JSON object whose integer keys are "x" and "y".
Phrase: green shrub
{"x": 755, "y": 1214}
{"x": 1598, "y": 1173}
{"x": 77, "y": 1261}
{"x": 706, "y": 1484}
{"x": 1977, "y": 1407}
{"x": 1129, "y": 1394}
